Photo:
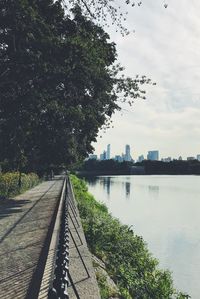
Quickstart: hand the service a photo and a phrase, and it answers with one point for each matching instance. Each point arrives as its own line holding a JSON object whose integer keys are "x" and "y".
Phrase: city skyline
{"x": 169, "y": 118}
{"x": 106, "y": 154}
{"x": 129, "y": 155}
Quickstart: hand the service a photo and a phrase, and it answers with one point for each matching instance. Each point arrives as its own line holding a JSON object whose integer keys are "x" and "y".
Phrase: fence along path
{"x": 69, "y": 272}
{"x": 25, "y": 223}
{"x": 43, "y": 252}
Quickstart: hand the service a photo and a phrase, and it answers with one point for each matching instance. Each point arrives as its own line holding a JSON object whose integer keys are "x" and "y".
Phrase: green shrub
{"x": 125, "y": 254}
{"x": 9, "y": 183}
{"x": 106, "y": 290}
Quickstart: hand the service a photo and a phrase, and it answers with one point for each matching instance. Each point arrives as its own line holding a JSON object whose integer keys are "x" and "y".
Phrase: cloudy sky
{"x": 166, "y": 48}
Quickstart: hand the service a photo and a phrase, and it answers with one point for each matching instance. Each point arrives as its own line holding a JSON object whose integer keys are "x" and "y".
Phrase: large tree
{"x": 59, "y": 83}
{"x": 108, "y": 12}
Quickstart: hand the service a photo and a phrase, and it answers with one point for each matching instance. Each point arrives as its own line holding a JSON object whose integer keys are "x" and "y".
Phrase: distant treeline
{"x": 106, "y": 167}
{"x": 173, "y": 167}
{"x": 150, "y": 167}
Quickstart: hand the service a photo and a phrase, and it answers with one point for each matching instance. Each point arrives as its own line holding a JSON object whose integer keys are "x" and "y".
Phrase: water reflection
{"x": 170, "y": 224}
{"x": 154, "y": 191}
{"x": 106, "y": 184}
{"x": 92, "y": 180}
{"x": 128, "y": 188}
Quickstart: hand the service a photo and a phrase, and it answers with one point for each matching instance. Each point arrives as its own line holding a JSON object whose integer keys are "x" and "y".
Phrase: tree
{"x": 106, "y": 12}
{"x": 59, "y": 83}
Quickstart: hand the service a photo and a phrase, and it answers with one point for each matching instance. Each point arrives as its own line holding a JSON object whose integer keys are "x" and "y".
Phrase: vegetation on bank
{"x": 125, "y": 254}
{"x": 172, "y": 167}
{"x": 105, "y": 167}
{"x": 150, "y": 167}
{"x": 9, "y": 183}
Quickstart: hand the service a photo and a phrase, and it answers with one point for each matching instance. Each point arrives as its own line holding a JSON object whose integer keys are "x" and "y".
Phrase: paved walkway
{"x": 83, "y": 279}
{"x": 24, "y": 225}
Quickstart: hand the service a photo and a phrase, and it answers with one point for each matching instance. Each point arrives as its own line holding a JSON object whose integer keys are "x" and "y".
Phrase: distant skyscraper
{"x": 198, "y": 157}
{"x": 118, "y": 158}
{"x": 127, "y": 156}
{"x": 103, "y": 156}
{"x": 153, "y": 155}
{"x": 108, "y": 152}
{"x": 140, "y": 158}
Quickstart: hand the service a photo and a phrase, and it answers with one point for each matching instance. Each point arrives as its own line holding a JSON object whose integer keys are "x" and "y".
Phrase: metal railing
{"x": 61, "y": 278}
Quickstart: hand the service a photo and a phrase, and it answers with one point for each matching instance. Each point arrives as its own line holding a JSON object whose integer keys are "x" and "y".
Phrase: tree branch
{"x": 87, "y": 8}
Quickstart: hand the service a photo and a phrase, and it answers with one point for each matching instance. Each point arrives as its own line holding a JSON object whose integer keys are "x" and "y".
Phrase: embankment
{"x": 125, "y": 255}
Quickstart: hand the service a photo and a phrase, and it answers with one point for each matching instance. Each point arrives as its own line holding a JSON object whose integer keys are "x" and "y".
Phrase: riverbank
{"x": 146, "y": 167}
{"x": 125, "y": 255}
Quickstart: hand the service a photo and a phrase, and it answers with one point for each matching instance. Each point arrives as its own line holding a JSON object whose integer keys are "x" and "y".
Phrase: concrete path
{"x": 24, "y": 225}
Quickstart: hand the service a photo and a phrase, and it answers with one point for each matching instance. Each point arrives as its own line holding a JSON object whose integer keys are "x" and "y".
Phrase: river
{"x": 164, "y": 210}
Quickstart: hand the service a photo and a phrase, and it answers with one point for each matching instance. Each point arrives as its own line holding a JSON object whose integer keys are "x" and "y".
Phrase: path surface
{"x": 26, "y": 232}
{"x": 24, "y": 225}
{"x": 83, "y": 282}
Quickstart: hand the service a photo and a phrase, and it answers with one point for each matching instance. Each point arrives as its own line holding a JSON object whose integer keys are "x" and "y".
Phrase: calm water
{"x": 165, "y": 211}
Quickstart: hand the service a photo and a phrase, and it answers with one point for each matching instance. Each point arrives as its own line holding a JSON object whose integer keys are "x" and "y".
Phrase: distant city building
{"x": 118, "y": 158}
{"x": 103, "y": 156}
{"x": 168, "y": 159}
{"x": 108, "y": 152}
{"x": 190, "y": 158}
{"x": 127, "y": 156}
{"x": 140, "y": 158}
{"x": 92, "y": 157}
{"x": 153, "y": 155}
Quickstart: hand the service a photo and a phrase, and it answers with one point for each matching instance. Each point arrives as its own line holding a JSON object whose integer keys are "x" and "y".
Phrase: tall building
{"x": 127, "y": 156}
{"x": 118, "y": 158}
{"x": 198, "y": 157}
{"x": 153, "y": 155}
{"x": 108, "y": 152}
{"x": 103, "y": 156}
{"x": 140, "y": 158}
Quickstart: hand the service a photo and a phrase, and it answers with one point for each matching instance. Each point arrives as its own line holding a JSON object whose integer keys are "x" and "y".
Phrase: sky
{"x": 165, "y": 46}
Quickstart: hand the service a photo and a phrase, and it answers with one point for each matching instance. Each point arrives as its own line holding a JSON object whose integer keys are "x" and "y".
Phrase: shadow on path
{"x": 11, "y": 206}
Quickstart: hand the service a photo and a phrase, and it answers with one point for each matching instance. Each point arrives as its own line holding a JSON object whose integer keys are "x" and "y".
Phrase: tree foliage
{"x": 178, "y": 167}
{"x": 106, "y": 167}
{"x": 59, "y": 83}
{"x": 108, "y": 12}
{"x": 9, "y": 183}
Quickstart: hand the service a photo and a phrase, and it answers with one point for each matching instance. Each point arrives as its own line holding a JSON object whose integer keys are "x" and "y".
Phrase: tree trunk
{"x": 20, "y": 180}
